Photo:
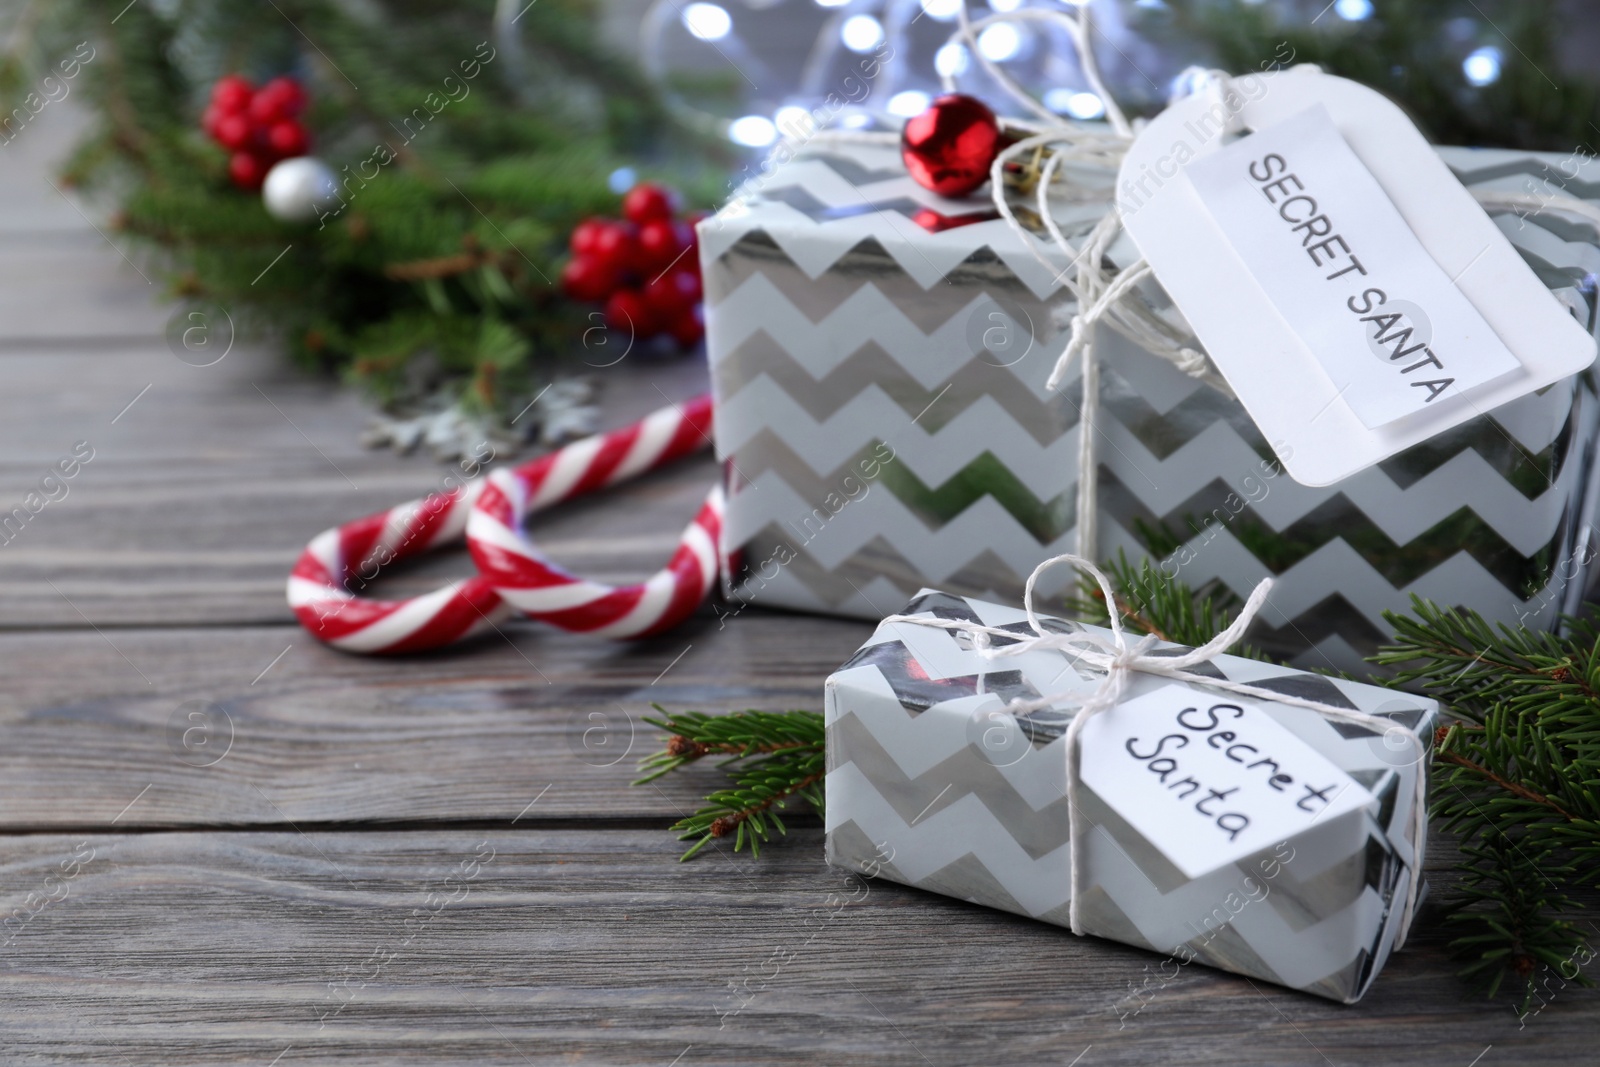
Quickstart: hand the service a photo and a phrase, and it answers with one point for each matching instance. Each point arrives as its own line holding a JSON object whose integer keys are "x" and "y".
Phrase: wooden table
{"x": 440, "y": 857}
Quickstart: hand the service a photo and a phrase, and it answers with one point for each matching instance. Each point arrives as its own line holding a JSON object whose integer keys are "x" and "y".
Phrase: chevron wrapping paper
{"x": 878, "y": 360}
{"x": 933, "y": 784}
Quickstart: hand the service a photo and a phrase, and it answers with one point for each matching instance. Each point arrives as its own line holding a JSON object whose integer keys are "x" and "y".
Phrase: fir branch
{"x": 463, "y": 216}
{"x": 1514, "y": 778}
{"x": 774, "y": 759}
{"x": 1153, "y": 603}
{"x": 1505, "y": 909}
{"x": 1515, "y": 788}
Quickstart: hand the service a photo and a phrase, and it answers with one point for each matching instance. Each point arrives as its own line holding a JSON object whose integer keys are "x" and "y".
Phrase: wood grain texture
{"x": 91, "y": 718}
{"x": 597, "y": 947}
{"x": 200, "y": 496}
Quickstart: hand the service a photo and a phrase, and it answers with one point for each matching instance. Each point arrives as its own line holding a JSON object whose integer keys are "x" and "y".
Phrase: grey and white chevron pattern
{"x": 839, "y": 328}
{"x": 919, "y": 792}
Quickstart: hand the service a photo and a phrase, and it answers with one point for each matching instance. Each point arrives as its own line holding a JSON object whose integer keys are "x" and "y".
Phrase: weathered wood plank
{"x": 89, "y": 719}
{"x": 201, "y": 494}
{"x": 597, "y": 946}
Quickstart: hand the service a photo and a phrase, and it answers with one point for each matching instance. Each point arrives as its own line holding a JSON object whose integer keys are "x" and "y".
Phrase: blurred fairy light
{"x": 709, "y": 22}
{"x": 1079, "y": 105}
{"x": 943, "y": 10}
{"x": 861, "y": 33}
{"x": 621, "y": 180}
{"x": 795, "y": 122}
{"x": 754, "y": 131}
{"x": 832, "y": 3}
{"x": 1353, "y": 10}
{"x": 951, "y": 61}
{"x": 1005, "y": 5}
{"x": 1482, "y": 67}
{"x": 909, "y": 102}
{"x": 1187, "y": 82}
{"x": 1000, "y": 42}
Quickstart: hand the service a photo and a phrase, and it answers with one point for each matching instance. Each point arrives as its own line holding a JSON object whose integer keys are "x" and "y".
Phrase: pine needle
{"x": 774, "y": 758}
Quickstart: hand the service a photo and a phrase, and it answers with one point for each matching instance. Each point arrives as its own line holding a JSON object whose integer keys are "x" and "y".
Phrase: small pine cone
{"x": 723, "y": 826}
{"x": 678, "y": 745}
{"x": 1561, "y": 674}
{"x": 1522, "y": 965}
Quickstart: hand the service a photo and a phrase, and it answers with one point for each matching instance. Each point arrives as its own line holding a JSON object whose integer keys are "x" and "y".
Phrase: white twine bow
{"x": 1119, "y": 657}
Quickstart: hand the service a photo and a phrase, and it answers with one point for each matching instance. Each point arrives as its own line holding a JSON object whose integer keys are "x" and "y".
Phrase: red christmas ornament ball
{"x": 232, "y": 94}
{"x": 672, "y": 293}
{"x": 658, "y": 244}
{"x": 279, "y": 99}
{"x": 647, "y": 202}
{"x": 586, "y": 278}
{"x": 950, "y": 147}
{"x": 247, "y": 170}
{"x": 617, "y": 246}
{"x": 626, "y": 312}
{"x": 584, "y": 236}
{"x": 287, "y": 139}
{"x": 687, "y": 327}
{"x": 234, "y": 132}
{"x": 257, "y": 127}
{"x": 287, "y": 98}
{"x": 642, "y": 269}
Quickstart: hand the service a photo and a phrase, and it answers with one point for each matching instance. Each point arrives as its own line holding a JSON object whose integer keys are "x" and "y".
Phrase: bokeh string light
{"x": 880, "y": 56}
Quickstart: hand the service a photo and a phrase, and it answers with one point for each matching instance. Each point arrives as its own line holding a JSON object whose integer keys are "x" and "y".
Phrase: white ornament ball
{"x": 299, "y": 189}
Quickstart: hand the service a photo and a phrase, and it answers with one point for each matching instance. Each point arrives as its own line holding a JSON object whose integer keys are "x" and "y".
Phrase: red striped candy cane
{"x": 326, "y": 584}
{"x": 534, "y": 585}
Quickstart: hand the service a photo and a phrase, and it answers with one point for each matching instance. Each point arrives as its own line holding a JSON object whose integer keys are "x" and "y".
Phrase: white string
{"x": 1119, "y": 659}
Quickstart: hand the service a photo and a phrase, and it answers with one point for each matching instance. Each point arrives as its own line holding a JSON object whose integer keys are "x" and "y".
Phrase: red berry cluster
{"x": 645, "y": 267}
{"x": 259, "y": 126}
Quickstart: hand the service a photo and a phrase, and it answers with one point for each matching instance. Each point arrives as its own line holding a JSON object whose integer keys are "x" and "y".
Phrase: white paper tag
{"x": 1209, "y": 780}
{"x": 1317, "y": 379}
{"x": 1341, "y": 266}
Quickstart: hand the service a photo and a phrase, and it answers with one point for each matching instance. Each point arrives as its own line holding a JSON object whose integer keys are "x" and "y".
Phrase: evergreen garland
{"x": 1516, "y": 772}
{"x": 437, "y": 275}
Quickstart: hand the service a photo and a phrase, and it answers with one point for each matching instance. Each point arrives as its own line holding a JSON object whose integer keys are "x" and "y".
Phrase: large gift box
{"x": 1260, "y": 837}
{"x": 879, "y": 357}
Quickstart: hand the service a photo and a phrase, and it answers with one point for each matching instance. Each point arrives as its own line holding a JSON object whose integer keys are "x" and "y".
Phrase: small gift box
{"x": 1231, "y": 812}
{"x": 879, "y": 357}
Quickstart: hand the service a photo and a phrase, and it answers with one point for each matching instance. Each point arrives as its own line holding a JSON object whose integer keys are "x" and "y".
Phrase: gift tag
{"x": 1356, "y": 297}
{"x": 1209, "y": 780}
